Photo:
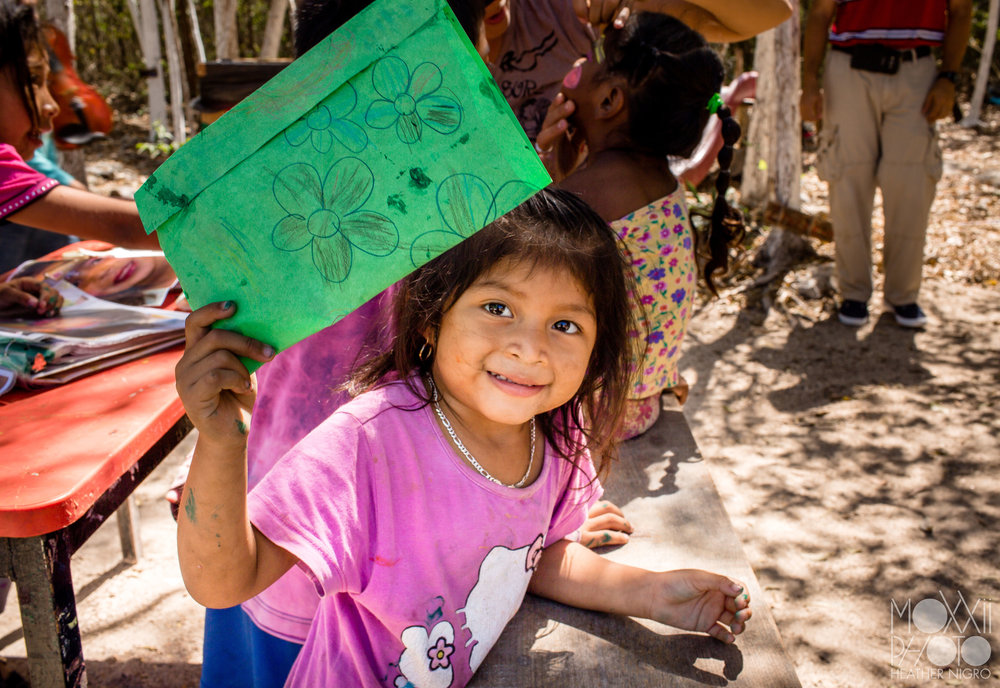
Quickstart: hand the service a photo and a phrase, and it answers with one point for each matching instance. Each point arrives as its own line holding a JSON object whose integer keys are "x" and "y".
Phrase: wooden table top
{"x": 62, "y": 447}
{"x": 664, "y": 487}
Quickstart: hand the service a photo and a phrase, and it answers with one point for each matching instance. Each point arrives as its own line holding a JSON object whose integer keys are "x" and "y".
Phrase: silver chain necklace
{"x": 468, "y": 455}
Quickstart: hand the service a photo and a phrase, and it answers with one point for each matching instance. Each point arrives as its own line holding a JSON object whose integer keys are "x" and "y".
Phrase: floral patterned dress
{"x": 658, "y": 244}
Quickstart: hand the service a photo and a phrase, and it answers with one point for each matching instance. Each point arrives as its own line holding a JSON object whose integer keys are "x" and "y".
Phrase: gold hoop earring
{"x": 426, "y": 351}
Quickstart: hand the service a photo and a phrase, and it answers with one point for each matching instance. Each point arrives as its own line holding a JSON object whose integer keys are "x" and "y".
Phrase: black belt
{"x": 905, "y": 55}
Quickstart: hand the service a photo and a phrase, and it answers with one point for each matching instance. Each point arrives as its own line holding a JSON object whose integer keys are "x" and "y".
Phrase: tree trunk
{"x": 292, "y": 17}
{"x": 774, "y": 140}
{"x": 273, "y": 29}
{"x": 168, "y": 11}
{"x": 985, "y": 60}
{"x": 227, "y": 46}
{"x": 60, "y": 13}
{"x": 147, "y": 29}
{"x": 773, "y": 162}
{"x": 199, "y": 45}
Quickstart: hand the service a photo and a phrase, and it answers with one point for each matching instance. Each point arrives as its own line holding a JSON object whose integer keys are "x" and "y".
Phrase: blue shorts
{"x": 237, "y": 654}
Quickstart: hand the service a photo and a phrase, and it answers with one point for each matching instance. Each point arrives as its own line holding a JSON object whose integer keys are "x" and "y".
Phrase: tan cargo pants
{"x": 874, "y": 134}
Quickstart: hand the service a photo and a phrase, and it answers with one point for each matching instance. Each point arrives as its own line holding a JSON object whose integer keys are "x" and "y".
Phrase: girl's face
{"x": 16, "y": 128}
{"x": 515, "y": 344}
{"x": 108, "y": 276}
{"x": 497, "y": 18}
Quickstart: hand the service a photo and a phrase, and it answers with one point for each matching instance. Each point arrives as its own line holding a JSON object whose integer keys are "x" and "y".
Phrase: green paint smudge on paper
{"x": 418, "y": 179}
{"x": 396, "y": 201}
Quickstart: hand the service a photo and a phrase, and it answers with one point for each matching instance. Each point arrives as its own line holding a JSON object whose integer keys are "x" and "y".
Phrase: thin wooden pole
{"x": 985, "y": 60}
{"x": 273, "y": 29}
{"x": 147, "y": 29}
{"x": 199, "y": 45}
{"x": 168, "y": 11}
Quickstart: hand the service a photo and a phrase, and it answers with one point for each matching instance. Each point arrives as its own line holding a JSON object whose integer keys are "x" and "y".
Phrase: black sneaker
{"x": 910, "y": 315}
{"x": 853, "y": 313}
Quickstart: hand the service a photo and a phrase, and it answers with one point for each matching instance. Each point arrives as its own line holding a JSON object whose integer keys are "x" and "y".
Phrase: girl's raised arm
{"x": 223, "y": 558}
{"x": 67, "y": 210}
{"x": 690, "y": 599}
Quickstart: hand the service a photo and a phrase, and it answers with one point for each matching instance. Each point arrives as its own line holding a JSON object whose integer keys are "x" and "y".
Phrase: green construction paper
{"x": 380, "y": 148}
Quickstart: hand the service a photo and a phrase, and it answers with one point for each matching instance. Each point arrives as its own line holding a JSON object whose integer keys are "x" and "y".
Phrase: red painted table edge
{"x": 61, "y": 511}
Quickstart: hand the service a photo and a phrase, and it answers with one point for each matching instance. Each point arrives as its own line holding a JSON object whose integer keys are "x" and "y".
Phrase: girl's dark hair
{"x": 317, "y": 19}
{"x": 553, "y": 229}
{"x": 672, "y": 75}
{"x": 19, "y": 37}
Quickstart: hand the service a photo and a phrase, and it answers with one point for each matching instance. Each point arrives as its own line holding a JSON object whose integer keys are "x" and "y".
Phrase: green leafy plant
{"x": 163, "y": 143}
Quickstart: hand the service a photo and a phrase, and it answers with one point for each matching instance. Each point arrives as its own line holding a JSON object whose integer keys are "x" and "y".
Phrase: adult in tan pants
{"x": 882, "y": 91}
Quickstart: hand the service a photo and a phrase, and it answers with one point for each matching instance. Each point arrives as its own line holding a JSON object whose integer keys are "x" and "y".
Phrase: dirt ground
{"x": 860, "y": 467}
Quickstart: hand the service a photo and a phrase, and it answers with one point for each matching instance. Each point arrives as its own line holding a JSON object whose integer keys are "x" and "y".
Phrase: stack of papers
{"x": 88, "y": 335}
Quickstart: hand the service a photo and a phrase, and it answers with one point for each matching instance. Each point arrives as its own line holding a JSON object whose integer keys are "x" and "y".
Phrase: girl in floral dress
{"x": 646, "y": 93}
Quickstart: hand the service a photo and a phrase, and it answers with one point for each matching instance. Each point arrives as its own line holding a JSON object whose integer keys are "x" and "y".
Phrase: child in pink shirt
{"x": 28, "y": 109}
{"x": 426, "y": 507}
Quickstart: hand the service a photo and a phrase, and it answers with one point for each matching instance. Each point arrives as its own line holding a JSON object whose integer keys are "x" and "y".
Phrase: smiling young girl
{"x": 426, "y": 507}
{"x": 28, "y": 109}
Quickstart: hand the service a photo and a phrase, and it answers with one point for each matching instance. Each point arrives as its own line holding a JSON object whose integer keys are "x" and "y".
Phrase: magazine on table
{"x": 88, "y": 335}
{"x": 134, "y": 278}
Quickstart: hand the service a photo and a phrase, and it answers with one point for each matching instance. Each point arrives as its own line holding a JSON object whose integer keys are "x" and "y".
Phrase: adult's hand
{"x": 939, "y": 101}
{"x": 601, "y": 12}
{"x": 811, "y": 102}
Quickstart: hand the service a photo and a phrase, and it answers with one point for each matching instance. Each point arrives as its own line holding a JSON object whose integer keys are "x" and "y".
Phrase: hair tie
{"x": 714, "y": 103}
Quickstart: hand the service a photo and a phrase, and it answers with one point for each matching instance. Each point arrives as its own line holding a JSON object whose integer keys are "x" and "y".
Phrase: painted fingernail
{"x": 227, "y": 305}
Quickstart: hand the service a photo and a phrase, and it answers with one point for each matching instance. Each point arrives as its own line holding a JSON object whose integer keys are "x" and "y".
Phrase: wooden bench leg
{"x": 128, "y": 530}
{"x": 48, "y": 611}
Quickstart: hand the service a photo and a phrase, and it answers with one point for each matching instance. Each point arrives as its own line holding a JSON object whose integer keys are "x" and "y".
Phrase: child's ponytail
{"x": 726, "y": 228}
{"x": 673, "y": 81}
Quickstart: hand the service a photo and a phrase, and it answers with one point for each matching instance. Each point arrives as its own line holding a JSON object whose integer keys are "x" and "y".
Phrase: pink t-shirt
{"x": 420, "y": 561}
{"x": 297, "y": 391}
{"x": 544, "y": 39}
{"x": 19, "y": 184}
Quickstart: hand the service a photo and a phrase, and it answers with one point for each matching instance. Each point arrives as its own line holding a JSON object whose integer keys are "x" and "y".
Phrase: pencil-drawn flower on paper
{"x": 328, "y": 122}
{"x": 410, "y": 101}
{"x": 466, "y": 204}
{"x": 327, "y": 215}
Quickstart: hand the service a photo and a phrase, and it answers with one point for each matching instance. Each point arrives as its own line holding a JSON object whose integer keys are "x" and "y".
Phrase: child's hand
{"x": 605, "y": 526}
{"x": 701, "y": 601}
{"x": 557, "y": 151}
{"x": 29, "y": 296}
{"x": 215, "y": 387}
